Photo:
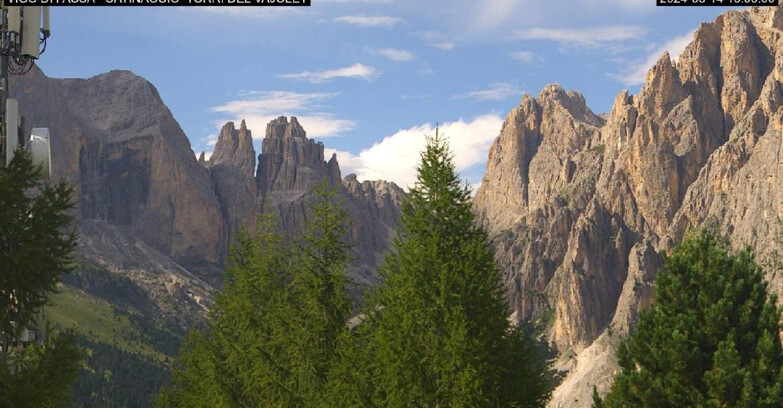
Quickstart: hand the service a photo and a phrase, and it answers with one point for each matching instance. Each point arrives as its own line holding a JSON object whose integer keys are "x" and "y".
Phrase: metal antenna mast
{"x": 23, "y": 34}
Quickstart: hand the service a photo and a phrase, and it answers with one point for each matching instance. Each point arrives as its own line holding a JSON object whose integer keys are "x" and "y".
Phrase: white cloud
{"x": 395, "y": 157}
{"x": 525, "y": 57}
{"x": 491, "y": 14}
{"x": 369, "y": 21}
{"x": 588, "y": 37}
{"x": 444, "y": 45}
{"x": 437, "y": 40}
{"x": 268, "y": 101}
{"x": 638, "y": 71}
{"x": 258, "y": 108}
{"x": 394, "y": 54}
{"x": 495, "y": 92}
{"x": 354, "y": 71}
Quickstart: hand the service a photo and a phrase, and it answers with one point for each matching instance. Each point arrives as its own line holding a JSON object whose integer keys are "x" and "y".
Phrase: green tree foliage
{"x": 273, "y": 330}
{"x": 710, "y": 339}
{"x": 35, "y": 244}
{"x": 436, "y": 333}
{"x": 35, "y": 249}
{"x": 39, "y": 375}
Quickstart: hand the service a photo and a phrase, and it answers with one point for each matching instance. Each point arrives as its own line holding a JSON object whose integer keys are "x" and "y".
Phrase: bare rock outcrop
{"x": 149, "y": 209}
{"x": 581, "y": 208}
{"x": 232, "y": 167}
{"x": 291, "y": 166}
{"x": 129, "y": 159}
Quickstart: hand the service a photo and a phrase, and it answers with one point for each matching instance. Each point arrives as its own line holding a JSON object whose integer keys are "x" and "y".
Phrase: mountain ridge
{"x": 148, "y": 209}
{"x": 581, "y": 207}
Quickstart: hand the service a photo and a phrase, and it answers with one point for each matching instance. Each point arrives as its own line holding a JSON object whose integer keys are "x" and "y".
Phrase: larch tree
{"x": 436, "y": 333}
{"x": 272, "y": 332}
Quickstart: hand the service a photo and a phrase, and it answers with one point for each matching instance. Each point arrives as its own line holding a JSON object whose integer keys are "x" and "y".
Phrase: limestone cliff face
{"x": 291, "y": 165}
{"x": 148, "y": 209}
{"x": 232, "y": 167}
{"x": 132, "y": 164}
{"x": 145, "y": 207}
{"x": 374, "y": 208}
{"x": 580, "y": 208}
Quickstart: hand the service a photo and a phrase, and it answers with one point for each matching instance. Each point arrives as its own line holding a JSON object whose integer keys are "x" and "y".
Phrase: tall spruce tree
{"x": 436, "y": 333}
{"x": 272, "y": 332}
{"x": 710, "y": 339}
{"x": 36, "y": 246}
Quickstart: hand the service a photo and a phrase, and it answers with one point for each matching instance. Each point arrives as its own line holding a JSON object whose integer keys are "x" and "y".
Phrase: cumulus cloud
{"x": 395, "y": 157}
{"x": 637, "y": 73}
{"x": 357, "y": 70}
{"x": 587, "y": 37}
{"x": 369, "y": 21}
{"x": 257, "y": 108}
{"x": 495, "y": 92}
{"x": 394, "y": 54}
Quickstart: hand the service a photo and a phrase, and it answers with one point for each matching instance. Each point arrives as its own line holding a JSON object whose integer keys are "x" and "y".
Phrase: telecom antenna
{"x": 23, "y": 34}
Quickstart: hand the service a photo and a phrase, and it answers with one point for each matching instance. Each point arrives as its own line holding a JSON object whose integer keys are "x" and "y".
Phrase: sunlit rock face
{"x": 580, "y": 207}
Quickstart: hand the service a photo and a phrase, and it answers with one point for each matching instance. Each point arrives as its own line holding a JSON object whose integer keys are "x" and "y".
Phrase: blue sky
{"x": 369, "y": 78}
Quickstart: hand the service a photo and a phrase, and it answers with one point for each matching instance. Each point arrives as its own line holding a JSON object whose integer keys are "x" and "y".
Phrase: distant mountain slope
{"x": 148, "y": 209}
{"x": 580, "y": 207}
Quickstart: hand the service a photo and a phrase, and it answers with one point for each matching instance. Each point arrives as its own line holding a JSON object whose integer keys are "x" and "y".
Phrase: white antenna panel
{"x": 41, "y": 150}
{"x": 46, "y": 29}
{"x": 31, "y": 29}
{"x": 11, "y": 128}
{"x": 14, "y": 19}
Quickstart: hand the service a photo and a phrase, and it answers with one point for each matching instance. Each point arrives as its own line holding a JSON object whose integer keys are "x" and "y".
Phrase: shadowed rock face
{"x": 131, "y": 163}
{"x": 231, "y": 166}
{"x": 580, "y": 207}
{"x": 291, "y": 165}
{"x": 149, "y": 209}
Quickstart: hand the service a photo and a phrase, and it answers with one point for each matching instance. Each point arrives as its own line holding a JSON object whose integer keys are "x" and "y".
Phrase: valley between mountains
{"x": 580, "y": 206}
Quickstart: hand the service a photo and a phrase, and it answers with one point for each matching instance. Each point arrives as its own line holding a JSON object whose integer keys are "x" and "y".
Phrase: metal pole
{"x": 3, "y": 86}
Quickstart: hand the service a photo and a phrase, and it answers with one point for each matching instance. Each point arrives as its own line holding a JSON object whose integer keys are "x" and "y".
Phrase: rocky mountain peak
{"x": 235, "y": 146}
{"x": 580, "y": 208}
{"x": 282, "y": 128}
{"x": 771, "y": 17}
{"x": 290, "y": 166}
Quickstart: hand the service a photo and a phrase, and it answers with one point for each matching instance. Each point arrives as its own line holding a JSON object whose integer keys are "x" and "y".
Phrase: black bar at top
{"x": 717, "y": 3}
{"x": 178, "y": 3}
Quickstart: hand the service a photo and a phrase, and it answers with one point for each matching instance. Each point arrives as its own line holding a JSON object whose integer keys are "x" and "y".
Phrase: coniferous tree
{"x": 272, "y": 331}
{"x": 35, "y": 249}
{"x": 35, "y": 246}
{"x": 710, "y": 339}
{"x": 436, "y": 333}
{"x": 322, "y": 302}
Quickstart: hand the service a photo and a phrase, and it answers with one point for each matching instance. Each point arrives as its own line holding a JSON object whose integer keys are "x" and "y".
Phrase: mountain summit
{"x": 150, "y": 210}
{"x": 580, "y": 207}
